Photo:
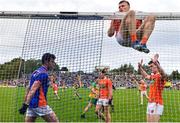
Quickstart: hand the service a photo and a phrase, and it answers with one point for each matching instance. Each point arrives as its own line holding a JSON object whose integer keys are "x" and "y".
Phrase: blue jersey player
{"x": 35, "y": 104}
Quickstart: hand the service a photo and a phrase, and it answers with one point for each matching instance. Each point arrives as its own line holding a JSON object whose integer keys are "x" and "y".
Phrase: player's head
{"x": 124, "y": 6}
{"x": 153, "y": 67}
{"x": 51, "y": 78}
{"x": 48, "y": 60}
{"x": 96, "y": 79}
{"x": 142, "y": 81}
{"x": 102, "y": 73}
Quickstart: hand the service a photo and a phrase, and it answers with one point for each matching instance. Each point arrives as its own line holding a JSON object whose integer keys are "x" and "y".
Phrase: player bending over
{"x": 93, "y": 97}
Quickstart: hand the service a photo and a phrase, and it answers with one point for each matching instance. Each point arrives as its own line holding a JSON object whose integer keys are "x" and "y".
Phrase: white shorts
{"x": 143, "y": 93}
{"x": 55, "y": 92}
{"x": 123, "y": 42}
{"x": 153, "y": 108}
{"x": 40, "y": 111}
{"x": 103, "y": 102}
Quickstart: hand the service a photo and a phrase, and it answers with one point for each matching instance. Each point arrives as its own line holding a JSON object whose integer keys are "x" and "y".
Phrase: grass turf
{"x": 126, "y": 102}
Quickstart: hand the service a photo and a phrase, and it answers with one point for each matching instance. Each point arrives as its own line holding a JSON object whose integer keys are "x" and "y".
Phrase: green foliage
{"x": 17, "y": 66}
{"x": 175, "y": 75}
{"x": 10, "y": 70}
{"x": 126, "y": 68}
{"x": 31, "y": 65}
{"x": 147, "y": 69}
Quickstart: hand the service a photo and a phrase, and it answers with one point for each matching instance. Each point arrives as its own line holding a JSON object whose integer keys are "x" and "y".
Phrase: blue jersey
{"x": 39, "y": 99}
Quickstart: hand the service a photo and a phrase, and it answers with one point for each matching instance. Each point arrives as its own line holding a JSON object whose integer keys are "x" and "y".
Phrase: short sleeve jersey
{"x": 156, "y": 89}
{"x": 40, "y": 99}
{"x": 104, "y": 86}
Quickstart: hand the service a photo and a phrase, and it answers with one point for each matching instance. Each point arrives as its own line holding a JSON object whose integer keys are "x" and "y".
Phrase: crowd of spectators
{"x": 119, "y": 80}
{"x": 14, "y": 82}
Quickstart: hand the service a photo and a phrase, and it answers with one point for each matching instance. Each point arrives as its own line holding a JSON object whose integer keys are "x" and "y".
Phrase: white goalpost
{"x": 103, "y": 15}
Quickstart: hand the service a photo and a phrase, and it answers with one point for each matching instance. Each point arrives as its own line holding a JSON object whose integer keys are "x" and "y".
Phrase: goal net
{"x": 81, "y": 46}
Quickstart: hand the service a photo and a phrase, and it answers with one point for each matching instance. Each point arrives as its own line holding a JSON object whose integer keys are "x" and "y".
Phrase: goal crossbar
{"x": 85, "y": 15}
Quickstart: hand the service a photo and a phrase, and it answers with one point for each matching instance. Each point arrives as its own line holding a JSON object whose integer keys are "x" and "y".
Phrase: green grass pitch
{"x": 126, "y": 101}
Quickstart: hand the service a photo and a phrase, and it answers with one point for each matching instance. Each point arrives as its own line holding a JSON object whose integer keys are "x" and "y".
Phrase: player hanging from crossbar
{"x": 129, "y": 31}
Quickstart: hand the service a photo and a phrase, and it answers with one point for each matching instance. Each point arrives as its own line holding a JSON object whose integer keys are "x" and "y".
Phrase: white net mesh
{"x": 80, "y": 45}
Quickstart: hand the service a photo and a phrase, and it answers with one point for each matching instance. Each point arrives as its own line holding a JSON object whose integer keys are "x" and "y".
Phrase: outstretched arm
{"x": 136, "y": 82}
{"x": 143, "y": 72}
{"x": 156, "y": 62}
{"x": 111, "y": 29}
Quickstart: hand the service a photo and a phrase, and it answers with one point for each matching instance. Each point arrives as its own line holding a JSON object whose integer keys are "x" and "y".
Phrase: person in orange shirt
{"x": 105, "y": 96}
{"x": 129, "y": 31}
{"x": 155, "y": 103}
{"x": 142, "y": 87}
{"x": 54, "y": 85}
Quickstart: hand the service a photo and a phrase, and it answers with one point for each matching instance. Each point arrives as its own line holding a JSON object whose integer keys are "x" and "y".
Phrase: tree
{"x": 10, "y": 70}
{"x": 126, "y": 68}
{"x": 31, "y": 65}
{"x": 18, "y": 66}
{"x": 175, "y": 75}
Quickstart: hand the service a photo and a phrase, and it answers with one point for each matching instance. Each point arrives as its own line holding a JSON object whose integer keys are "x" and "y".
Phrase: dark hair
{"x": 122, "y": 1}
{"x": 47, "y": 57}
{"x": 96, "y": 77}
{"x": 104, "y": 71}
{"x": 150, "y": 62}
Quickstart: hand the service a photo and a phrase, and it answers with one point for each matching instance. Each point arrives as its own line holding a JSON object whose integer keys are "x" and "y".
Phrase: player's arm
{"x": 142, "y": 71}
{"x": 27, "y": 91}
{"x": 110, "y": 92}
{"x": 138, "y": 85}
{"x": 134, "y": 80}
{"x": 32, "y": 91}
{"x": 111, "y": 29}
{"x": 163, "y": 74}
{"x": 29, "y": 94}
{"x": 156, "y": 62}
{"x": 144, "y": 74}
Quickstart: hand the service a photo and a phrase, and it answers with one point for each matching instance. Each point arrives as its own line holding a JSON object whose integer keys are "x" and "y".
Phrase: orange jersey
{"x": 55, "y": 87}
{"x": 105, "y": 87}
{"x": 117, "y": 24}
{"x": 143, "y": 87}
{"x": 156, "y": 88}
